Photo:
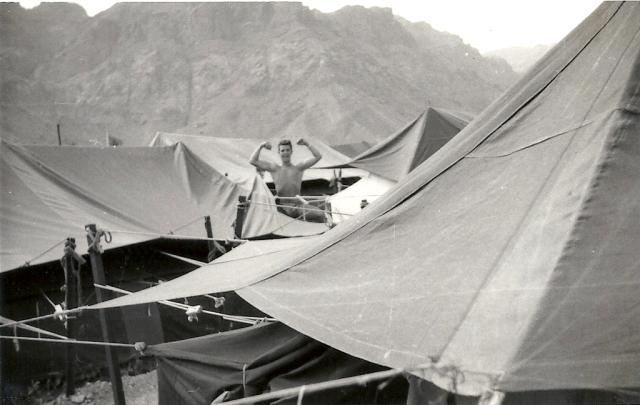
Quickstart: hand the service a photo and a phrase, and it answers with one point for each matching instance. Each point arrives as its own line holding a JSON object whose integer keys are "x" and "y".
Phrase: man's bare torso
{"x": 287, "y": 179}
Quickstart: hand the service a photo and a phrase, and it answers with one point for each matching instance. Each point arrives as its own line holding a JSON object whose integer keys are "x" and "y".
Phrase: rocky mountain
{"x": 520, "y": 58}
{"x": 229, "y": 69}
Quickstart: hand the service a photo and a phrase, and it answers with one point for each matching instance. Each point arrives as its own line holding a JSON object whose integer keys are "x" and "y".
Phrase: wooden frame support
{"x": 71, "y": 262}
{"x": 240, "y": 216}
{"x": 97, "y": 268}
{"x": 215, "y": 248}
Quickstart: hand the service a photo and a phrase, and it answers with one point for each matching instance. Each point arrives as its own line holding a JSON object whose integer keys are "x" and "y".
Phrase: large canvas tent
{"x": 138, "y": 193}
{"x": 395, "y": 157}
{"x": 400, "y": 153}
{"x": 507, "y": 261}
{"x": 51, "y": 192}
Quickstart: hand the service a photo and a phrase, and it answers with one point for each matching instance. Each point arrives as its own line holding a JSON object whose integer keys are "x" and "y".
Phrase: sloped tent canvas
{"x": 509, "y": 260}
{"x": 242, "y": 266}
{"x": 393, "y": 158}
{"x": 352, "y": 149}
{"x": 403, "y": 151}
{"x": 230, "y": 156}
{"x": 50, "y": 193}
{"x": 55, "y": 191}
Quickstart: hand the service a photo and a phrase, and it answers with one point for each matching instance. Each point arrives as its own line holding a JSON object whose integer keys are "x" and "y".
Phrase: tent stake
{"x": 97, "y": 268}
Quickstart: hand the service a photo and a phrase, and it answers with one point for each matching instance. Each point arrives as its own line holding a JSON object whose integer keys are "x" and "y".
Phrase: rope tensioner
{"x": 59, "y": 310}
{"x": 218, "y": 301}
{"x": 140, "y": 347}
{"x": 192, "y": 312}
{"x": 59, "y": 313}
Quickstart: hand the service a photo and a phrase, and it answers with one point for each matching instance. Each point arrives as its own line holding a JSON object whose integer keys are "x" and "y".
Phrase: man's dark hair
{"x": 285, "y": 142}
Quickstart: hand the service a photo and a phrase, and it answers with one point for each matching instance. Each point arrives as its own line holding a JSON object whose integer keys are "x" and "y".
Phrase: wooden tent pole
{"x": 71, "y": 262}
{"x": 215, "y": 248}
{"x": 97, "y": 268}
{"x": 240, "y": 216}
{"x": 207, "y": 226}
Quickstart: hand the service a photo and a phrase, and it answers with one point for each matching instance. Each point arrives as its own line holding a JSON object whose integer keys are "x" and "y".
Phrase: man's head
{"x": 285, "y": 149}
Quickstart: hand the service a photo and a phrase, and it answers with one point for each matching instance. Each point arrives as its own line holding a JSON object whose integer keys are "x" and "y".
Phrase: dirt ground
{"x": 141, "y": 389}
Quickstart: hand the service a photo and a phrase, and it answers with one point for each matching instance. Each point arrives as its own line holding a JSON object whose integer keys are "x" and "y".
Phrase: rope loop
{"x": 95, "y": 239}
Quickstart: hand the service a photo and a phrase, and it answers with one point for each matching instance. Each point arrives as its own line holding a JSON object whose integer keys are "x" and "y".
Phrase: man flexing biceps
{"x": 286, "y": 176}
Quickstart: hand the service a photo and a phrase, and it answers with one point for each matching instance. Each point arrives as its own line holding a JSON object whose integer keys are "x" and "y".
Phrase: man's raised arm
{"x": 255, "y": 158}
{"x": 316, "y": 155}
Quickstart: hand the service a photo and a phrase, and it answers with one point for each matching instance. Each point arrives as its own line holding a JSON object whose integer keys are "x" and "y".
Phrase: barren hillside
{"x": 229, "y": 69}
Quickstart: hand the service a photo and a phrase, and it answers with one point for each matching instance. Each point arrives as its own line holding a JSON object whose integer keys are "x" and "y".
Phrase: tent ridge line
{"x": 600, "y": 117}
{"x": 423, "y": 128}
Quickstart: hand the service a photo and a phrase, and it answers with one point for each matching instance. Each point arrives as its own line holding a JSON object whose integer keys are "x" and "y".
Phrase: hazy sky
{"x": 485, "y": 24}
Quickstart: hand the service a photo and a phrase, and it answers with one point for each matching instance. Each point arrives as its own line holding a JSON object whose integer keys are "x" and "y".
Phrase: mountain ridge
{"x": 231, "y": 69}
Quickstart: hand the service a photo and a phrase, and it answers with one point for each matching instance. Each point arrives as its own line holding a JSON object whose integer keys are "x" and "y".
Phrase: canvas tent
{"x": 265, "y": 357}
{"x": 507, "y": 261}
{"x": 393, "y": 158}
{"x": 231, "y": 156}
{"x": 138, "y": 193}
{"x": 400, "y": 153}
{"x": 352, "y": 149}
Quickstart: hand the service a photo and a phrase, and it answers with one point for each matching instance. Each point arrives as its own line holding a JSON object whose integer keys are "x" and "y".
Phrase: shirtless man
{"x": 287, "y": 176}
